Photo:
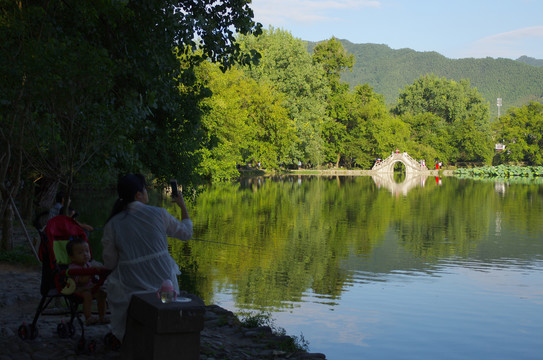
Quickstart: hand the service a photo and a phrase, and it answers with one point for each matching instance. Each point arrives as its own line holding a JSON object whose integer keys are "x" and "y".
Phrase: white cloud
{"x": 512, "y": 44}
{"x": 529, "y": 32}
{"x": 281, "y": 12}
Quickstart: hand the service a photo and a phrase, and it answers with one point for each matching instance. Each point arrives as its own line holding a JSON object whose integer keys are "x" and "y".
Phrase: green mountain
{"x": 388, "y": 71}
{"x": 530, "y": 60}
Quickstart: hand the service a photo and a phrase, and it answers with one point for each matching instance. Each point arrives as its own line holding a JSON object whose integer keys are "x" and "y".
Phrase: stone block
{"x": 163, "y": 331}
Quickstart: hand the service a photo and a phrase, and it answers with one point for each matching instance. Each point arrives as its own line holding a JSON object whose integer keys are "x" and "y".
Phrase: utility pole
{"x": 499, "y": 107}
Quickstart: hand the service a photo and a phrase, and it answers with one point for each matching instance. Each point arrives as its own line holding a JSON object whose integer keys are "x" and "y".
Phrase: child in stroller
{"x": 58, "y": 281}
{"x": 80, "y": 256}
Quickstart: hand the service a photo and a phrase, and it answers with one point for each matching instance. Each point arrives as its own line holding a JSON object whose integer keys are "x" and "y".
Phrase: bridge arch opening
{"x": 399, "y": 172}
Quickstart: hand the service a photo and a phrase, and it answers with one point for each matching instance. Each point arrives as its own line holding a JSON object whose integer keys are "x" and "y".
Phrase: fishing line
{"x": 222, "y": 243}
{"x": 209, "y": 241}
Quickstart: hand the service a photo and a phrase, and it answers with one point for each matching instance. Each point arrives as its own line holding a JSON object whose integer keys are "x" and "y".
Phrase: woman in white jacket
{"x": 135, "y": 247}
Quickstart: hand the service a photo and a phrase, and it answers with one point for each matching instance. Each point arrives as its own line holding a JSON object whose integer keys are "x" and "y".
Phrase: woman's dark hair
{"x": 127, "y": 187}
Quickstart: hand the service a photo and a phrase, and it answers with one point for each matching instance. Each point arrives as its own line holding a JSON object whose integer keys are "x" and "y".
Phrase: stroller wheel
{"x": 80, "y": 347}
{"x": 65, "y": 330}
{"x": 112, "y": 342}
{"x": 71, "y": 330}
{"x": 92, "y": 346}
{"x": 26, "y": 331}
{"x": 33, "y": 332}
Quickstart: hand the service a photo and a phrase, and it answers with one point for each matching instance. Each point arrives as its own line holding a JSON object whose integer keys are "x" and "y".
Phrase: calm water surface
{"x": 430, "y": 268}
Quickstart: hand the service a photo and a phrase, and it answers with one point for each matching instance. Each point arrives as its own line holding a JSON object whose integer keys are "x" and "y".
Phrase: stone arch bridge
{"x": 412, "y": 166}
{"x": 415, "y": 173}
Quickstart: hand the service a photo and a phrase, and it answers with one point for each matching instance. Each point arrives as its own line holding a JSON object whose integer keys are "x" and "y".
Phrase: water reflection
{"x": 449, "y": 269}
{"x": 300, "y": 233}
{"x": 388, "y": 181}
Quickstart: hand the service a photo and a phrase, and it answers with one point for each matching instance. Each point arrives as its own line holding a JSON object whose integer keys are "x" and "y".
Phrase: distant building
{"x": 499, "y": 147}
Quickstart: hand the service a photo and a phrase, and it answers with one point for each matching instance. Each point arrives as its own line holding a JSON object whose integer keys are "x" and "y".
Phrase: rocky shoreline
{"x": 223, "y": 336}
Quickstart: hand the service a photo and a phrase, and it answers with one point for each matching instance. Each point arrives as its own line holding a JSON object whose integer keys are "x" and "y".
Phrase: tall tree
{"x": 372, "y": 131}
{"x": 461, "y": 108}
{"x": 88, "y": 81}
{"x": 331, "y": 55}
{"x": 287, "y": 66}
{"x": 245, "y": 122}
{"x": 334, "y": 59}
{"x": 521, "y": 130}
{"x": 429, "y": 138}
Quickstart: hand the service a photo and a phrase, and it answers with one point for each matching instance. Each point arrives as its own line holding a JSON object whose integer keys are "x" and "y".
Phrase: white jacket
{"x": 135, "y": 247}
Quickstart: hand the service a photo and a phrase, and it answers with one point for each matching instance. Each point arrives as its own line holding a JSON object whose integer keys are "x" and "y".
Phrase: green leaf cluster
{"x": 521, "y": 131}
{"x": 449, "y": 117}
{"x": 93, "y": 89}
{"x": 245, "y": 123}
{"x": 288, "y": 67}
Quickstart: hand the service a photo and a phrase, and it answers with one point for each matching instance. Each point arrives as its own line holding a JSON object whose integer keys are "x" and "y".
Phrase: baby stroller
{"x": 57, "y": 281}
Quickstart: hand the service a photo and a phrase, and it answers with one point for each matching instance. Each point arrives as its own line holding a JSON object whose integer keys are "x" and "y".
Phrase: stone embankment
{"x": 223, "y": 336}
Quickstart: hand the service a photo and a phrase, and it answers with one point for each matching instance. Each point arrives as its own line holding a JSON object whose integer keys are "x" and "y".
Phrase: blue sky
{"x": 453, "y": 28}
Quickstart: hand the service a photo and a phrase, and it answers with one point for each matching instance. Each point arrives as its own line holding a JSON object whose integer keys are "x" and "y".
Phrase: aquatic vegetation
{"x": 500, "y": 171}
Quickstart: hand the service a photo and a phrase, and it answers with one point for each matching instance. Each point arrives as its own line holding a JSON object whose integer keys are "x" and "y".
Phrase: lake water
{"x": 437, "y": 268}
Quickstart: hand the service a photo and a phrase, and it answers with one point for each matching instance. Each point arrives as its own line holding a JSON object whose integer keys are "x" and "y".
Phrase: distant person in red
{"x": 397, "y": 151}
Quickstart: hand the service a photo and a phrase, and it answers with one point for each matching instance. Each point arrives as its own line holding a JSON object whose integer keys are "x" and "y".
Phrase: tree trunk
{"x": 46, "y": 190}
{"x": 27, "y": 200}
{"x": 7, "y": 228}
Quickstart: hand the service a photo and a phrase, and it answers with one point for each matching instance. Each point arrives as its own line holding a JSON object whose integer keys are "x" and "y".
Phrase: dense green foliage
{"x": 530, "y": 60}
{"x": 89, "y": 87}
{"x": 326, "y": 122}
{"x": 245, "y": 123}
{"x": 388, "y": 70}
{"x": 460, "y": 118}
{"x": 19, "y": 255}
{"x": 96, "y": 89}
{"x": 288, "y": 67}
{"x": 521, "y": 131}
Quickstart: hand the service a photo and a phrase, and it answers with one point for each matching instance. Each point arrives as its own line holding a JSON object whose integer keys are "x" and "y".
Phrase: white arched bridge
{"x": 412, "y": 166}
{"x": 415, "y": 173}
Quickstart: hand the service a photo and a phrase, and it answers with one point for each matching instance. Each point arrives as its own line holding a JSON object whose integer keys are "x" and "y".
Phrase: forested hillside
{"x": 530, "y": 61}
{"x": 388, "y": 71}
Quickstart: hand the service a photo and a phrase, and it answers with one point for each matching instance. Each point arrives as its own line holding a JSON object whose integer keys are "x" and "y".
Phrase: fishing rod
{"x": 209, "y": 241}
{"x": 222, "y": 243}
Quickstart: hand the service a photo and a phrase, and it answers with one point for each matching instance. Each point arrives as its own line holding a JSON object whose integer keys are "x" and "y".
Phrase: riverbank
{"x": 335, "y": 172}
{"x": 224, "y": 336}
{"x": 342, "y": 172}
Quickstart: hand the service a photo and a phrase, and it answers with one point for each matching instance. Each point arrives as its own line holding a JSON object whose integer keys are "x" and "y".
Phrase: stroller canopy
{"x": 59, "y": 231}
